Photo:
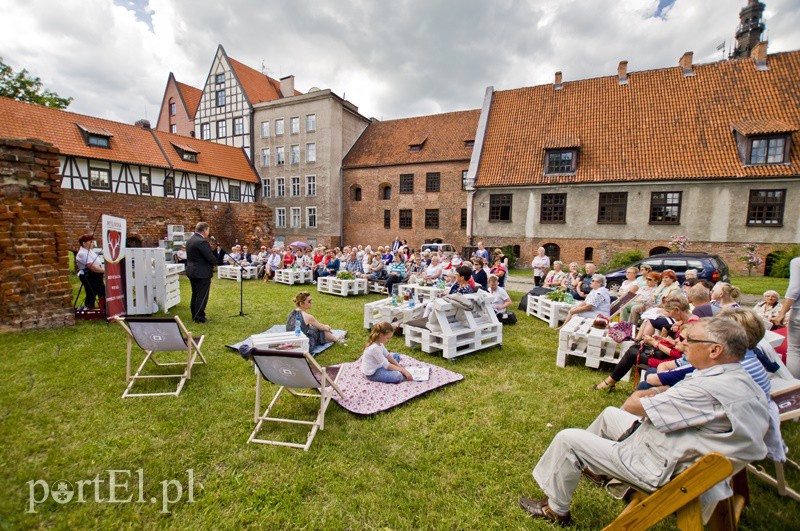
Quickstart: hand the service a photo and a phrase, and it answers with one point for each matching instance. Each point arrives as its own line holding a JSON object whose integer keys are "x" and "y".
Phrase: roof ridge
{"x": 427, "y": 116}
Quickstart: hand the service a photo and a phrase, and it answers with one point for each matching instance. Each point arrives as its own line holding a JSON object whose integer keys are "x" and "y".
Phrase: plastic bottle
{"x": 394, "y": 299}
{"x": 297, "y": 322}
{"x": 411, "y": 301}
{"x": 569, "y": 299}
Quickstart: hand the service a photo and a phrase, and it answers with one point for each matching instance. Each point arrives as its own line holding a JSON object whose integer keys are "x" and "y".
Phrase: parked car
{"x": 709, "y": 267}
{"x": 444, "y": 249}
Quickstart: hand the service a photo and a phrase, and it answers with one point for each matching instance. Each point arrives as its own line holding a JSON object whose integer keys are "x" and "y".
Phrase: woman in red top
{"x": 288, "y": 258}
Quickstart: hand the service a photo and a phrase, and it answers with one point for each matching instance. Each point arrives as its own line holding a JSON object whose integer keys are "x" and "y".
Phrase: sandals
{"x": 605, "y": 385}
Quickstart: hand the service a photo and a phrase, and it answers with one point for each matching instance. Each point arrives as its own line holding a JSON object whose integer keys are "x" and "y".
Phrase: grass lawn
{"x": 459, "y": 457}
{"x": 758, "y": 285}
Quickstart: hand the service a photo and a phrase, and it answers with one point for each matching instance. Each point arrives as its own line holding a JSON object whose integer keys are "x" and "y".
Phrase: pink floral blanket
{"x": 363, "y": 397}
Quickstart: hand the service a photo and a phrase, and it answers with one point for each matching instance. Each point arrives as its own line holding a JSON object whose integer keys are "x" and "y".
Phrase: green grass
{"x": 458, "y": 457}
{"x": 758, "y": 285}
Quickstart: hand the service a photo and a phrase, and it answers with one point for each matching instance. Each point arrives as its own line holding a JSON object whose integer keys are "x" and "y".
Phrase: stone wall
{"x": 148, "y": 217}
{"x": 34, "y": 266}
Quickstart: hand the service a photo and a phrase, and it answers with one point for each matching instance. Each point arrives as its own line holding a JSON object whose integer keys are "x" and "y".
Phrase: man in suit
{"x": 200, "y": 268}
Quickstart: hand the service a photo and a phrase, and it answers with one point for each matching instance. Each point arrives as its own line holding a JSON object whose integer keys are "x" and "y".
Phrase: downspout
{"x": 475, "y": 160}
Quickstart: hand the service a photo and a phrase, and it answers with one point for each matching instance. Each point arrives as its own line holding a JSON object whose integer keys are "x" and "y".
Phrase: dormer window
{"x": 769, "y": 150}
{"x": 561, "y": 161}
{"x": 187, "y": 153}
{"x": 763, "y": 141}
{"x": 415, "y": 146}
{"x": 99, "y": 141}
{"x": 469, "y": 143}
{"x": 95, "y": 136}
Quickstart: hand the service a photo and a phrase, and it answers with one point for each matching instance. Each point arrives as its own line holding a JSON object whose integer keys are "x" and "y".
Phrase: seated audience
{"x": 724, "y": 296}
{"x": 479, "y": 274}
{"x": 555, "y": 276}
{"x": 700, "y": 299}
{"x": 274, "y": 262}
{"x": 572, "y": 278}
{"x": 630, "y": 284}
{"x": 332, "y": 265}
{"x": 585, "y": 285}
{"x": 769, "y": 309}
{"x": 288, "y": 258}
{"x": 462, "y": 285}
{"x": 376, "y": 269}
{"x": 397, "y": 272}
{"x": 597, "y": 301}
{"x": 180, "y": 255}
{"x": 216, "y": 250}
{"x": 246, "y": 256}
{"x": 500, "y": 299}
{"x": 353, "y": 264}
{"x": 316, "y": 332}
{"x": 234, "y": 256}
{"x": 668, "y": 288}
{"x": 499, "y": 270}
{"x": 377, "y": 363}
{"x": 434, "y": 271}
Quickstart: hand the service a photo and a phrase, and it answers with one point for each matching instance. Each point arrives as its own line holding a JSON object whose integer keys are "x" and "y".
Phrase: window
{"x": 220, "y": 98}
{"x": 356, "y": 193}
{"x": 264, "y": 129}
{"x": 238, "y": 126}
{"x": 98, "y": 141}
{"x": 611, "y": 207}
{"x": 464, "y": 174}
{"x": 265, "y": 157}
{"x": 766, "y": 208}
{"x": 279, "y": 158}
{"x": 222, "y": 129}
{"x": 311, "y": 217}
{"x": 385, "y": 192}
{"x": 203, "y": 189}
{"x": 588, "y": 252}
{"x": 463, "y": 218}
{"x": 205, "y": 131}
{"x": 469, "y": 143}
{"x": 267, "y": 188}
{"x": 407, "y": 183}
{"x": 387, "y": 219}
{"x": 235, "y": 192}
{"x": 280, "y": 187}
{"x": 432, "y": 182}
{"x": 295, "y": 186}
{"x": 405, "y": 219}
{"x": 500, "y": 207}
{"x": 665, "y": 208}
{"x": 220, "y": 79}
{"x": 144, "y": 180}
{"x": 431, "y": 218}
{"x": 311, "y": 122}
{"x": 554, "y": 208}
{"x": 552, "y": 251}
{"x": 189, "y": 157}
{"x": 560, "y": 162}
{"x": 295, "y": 154}
{"x": 172, "y": 108}
{"x": 169, "y": 186}
{"x": 294, "y": 125}
{"x": 295, "y": 217}
{"x": 173, "y": 129}
{"x": 311, "y": 152}
{"x": 280, "y": 217}
{"x": 279, "y": 126}
{"x": 311, "y": 185}
{"x": 100, "y": 178}
{"x": 767, "y": 150}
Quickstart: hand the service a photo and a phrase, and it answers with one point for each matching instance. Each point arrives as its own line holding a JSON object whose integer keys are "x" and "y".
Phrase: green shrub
{"x": 623, "y": 259}
{"x": 780, "y": 266}
{"x": 345, "y": 275}
{"x": 508, "y": 251}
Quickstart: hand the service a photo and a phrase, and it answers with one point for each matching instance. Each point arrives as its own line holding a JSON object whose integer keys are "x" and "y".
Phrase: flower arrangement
{"x": 679, "y": 243}
{"x": 750, "y": 258}
{"x": 557, "y": 295}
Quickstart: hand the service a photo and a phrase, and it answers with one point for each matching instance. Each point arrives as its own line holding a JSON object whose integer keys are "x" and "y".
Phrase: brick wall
{"x": 148, "y": 217}
{"x": 34, "y": 267}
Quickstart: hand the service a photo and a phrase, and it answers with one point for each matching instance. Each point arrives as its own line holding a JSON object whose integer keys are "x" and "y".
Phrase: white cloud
{"x": 392, "y": 59}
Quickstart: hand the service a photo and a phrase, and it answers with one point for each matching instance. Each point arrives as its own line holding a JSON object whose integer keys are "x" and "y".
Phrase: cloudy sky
{"x": 393, "y": 59}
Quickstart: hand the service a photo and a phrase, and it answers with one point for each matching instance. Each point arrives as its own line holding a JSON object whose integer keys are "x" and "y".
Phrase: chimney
{"x": 287, "y": 86}
{"x": 685, "y": 63}
{"x": 557, "y": 84}
{"x": 144, "y": 123}
{"x": 759, "y": 54}
{"x": 622, "y": 73}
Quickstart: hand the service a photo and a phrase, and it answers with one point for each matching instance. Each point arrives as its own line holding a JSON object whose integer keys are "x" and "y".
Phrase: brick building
{"x": 404, "y": 178}
{"x": 591, "y": 167}
{"x": 178, "y": 107}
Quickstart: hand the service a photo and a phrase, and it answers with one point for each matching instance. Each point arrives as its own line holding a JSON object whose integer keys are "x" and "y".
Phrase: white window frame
{"x": 224, "y": 128}
{"x": 309, "y": 212}
{"x": 295, "y": 154}
{"x": 280, "y": 156}
{"x": 296, "y": 214}
{"x": 296, "y": 189}
{"x": 311, "y": 119}
{"x": 265, "y": 129}
{"x": 173, "y": 129}
{"x": 205, "y": 131}
{"x": 294, "y": 125}
{"x": 280, "y": 218}
{"x": 231, "y": 188}
{"x": 311, "y": 185}
{"x": 265, "y": 157}
{"x": 279, "y": 126}
{"x": 311, "y": 147}
{"x": 240, "y": 121}
{"x": 267, "y": 188}
{"x": 280, "y": 187}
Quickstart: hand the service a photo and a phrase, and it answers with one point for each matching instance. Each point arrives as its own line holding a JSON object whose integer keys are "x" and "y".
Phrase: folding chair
{"x": 292, "y": 369}
{"x": 159, "y": 334}
{"x": 619, "y": 304}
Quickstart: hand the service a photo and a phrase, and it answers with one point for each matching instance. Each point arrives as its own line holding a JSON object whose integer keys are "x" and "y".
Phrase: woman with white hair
{"x": 540, "y": 265}
{"x": 597, "y": 301}
{"x": 769, "y": 309}
{"x": 555, "y": 276}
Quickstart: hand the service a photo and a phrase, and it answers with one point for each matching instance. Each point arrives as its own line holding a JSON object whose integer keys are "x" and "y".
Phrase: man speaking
{"x": 199, "y": 268}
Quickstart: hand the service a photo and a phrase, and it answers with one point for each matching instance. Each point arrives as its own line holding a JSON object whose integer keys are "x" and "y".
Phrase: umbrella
{"x": 299, "y": 244}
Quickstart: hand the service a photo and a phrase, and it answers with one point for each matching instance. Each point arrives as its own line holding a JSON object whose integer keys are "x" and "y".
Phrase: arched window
{"x": 515, "y": 249}
{"x": 553, "y": 251}
{"x": 355, "y": 193}
{"x": 659, "y": 250}
{"x": 769, "y": 260}
{"x": 587, "y": 254}
{"x": 385, "y": 192}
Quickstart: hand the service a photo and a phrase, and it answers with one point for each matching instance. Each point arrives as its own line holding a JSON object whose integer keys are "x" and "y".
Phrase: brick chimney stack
{"x": 759, "y": 54}
{"x": 287, "y": 86}
{"x": 144, "y": 123}
{"x": 622, "y": 73}
{"x": 685, "y": 62}
{"x": 557, "y": 84}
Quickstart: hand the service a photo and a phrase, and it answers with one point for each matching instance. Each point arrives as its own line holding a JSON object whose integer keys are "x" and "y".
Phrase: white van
{"x": 444, "y": 249}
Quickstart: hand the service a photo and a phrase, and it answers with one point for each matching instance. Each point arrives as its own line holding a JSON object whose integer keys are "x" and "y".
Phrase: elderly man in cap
{"x": 660, "y": 432}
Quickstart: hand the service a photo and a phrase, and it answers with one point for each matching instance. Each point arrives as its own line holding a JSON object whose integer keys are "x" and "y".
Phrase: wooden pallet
{"x": 383, "y": 311}
{"x": 152, "y": 283}
{"x": 580, "y": 339}
{"x": 422, "y": 293}
{"x": 551, "y": 312}
{"x": 280, "y": 341}
{"x": 343, "y": 288}
{"x": 292, "y": 277}
{"x": 234, "y": 272}
{"x": 458, "y": 332}
{"x": 377, "y": 286}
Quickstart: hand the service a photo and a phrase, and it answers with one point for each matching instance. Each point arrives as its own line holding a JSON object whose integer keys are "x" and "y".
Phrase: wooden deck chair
{"x": 291, "y": 370}
{"x": 619, "y": 304}
{"x": 154, "y": 335}
{"x": 681, "y": 496}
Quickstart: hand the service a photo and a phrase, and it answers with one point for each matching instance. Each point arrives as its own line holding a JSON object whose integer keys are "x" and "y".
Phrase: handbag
{"x": 507, "y": 318}
{"x": 622, "y": 331}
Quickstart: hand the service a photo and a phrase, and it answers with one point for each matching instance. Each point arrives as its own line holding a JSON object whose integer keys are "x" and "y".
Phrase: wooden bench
{"x": 343, "y": 288}
{"x": 234, "y": 272}
{"x": 552, "y": 312}
{"x": 422, "y": 293}
{"x": 580, "y": 339}
{"x": 383, "y": 311}
{"x": 294, "y": 276}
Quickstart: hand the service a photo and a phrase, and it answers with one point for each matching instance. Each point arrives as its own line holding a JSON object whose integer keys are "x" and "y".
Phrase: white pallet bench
{"x": 580, "y": 339}
{"x": 343, "y": 288}
{"x": 460, "y": 331}
{"x": 377, "y": 286}
{"x": 422, "y": 293}
{"x": 552, "y": 312}
{"x": 152, "y": 283}
{"x": 234, "y": 272}
{"x": 292, "y": 277}
{"x": 383, "y": 311}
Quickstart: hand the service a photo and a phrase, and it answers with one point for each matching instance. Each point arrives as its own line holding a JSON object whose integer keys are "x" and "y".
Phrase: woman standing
{"x": 791, "y": 302}
{"x": 540, "y": 265}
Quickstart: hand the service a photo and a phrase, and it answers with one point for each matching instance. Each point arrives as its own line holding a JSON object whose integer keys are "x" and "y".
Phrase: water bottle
{"x": 569, "y": 298}
{"x": 297, "y": 321}
{"x": 394, "y": 299}
{"x": 411, "y": 301}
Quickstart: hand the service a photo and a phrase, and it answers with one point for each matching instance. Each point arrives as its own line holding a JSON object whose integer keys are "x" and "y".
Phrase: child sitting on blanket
{"x": 377, "y": 363}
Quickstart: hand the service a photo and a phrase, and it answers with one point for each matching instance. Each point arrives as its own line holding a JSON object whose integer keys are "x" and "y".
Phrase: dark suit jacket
{"x": 199, "y": 258}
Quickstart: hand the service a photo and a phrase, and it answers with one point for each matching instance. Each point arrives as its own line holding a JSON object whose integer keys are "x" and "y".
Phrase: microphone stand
{"x": 241, "y": 286}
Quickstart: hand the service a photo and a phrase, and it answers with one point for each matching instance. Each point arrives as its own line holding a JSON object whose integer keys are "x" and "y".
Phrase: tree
{"x": 21, "y": 86}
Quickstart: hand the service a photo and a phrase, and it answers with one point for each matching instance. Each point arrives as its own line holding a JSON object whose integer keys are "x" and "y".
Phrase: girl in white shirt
{"x": 377, "y": 363}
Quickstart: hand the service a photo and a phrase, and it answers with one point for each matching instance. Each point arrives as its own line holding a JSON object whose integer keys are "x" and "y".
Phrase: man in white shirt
{"x": 434, "y": 271}
{"x": 90, "y": 272}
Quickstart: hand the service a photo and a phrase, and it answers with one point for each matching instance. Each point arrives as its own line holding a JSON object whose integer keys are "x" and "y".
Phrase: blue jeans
{"x": 386, "y": 376}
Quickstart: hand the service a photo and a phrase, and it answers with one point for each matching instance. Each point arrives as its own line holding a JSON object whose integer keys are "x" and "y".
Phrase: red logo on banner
{"x": 114, "y": 238}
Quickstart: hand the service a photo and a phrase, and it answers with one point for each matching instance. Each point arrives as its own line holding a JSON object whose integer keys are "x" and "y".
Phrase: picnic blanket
{"x": 282, "y": 328}
{"x": 363, "y": 397}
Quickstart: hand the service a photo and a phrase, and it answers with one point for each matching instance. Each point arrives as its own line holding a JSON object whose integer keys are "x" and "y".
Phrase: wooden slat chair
{"x": 154, "y": 335}
{"x": 291, "y": 370}
{"x": 619, "y": 304}
{"x": 681, "y": 496}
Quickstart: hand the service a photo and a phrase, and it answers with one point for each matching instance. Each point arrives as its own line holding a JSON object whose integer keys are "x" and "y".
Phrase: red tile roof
{"x": 191, "y": 97}
{"x": 763, "y": 126}
{"x": 128, "y": 143}
{"x": 256, "y": 85}
{"x": 661, "y": 125}
{"x": 443, "y": 138}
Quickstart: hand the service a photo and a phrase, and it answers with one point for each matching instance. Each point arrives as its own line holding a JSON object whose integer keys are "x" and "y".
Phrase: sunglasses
{"x": 651, "y": 280}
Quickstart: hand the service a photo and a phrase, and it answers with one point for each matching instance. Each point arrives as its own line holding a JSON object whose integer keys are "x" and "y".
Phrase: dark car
{"x": 709, "y": 267}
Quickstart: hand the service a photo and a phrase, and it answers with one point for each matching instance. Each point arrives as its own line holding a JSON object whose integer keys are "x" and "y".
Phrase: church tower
{"x": 751, "y": 26}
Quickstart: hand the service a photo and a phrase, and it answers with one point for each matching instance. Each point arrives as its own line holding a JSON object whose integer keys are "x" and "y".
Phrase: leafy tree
{"x": 21, "y": 86}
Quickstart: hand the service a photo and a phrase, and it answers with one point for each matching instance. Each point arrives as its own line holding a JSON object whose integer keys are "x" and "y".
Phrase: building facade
{"x": 178, "y": 107}
{"x": 404, "y": 178}
{"x": 300, "y": 143}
